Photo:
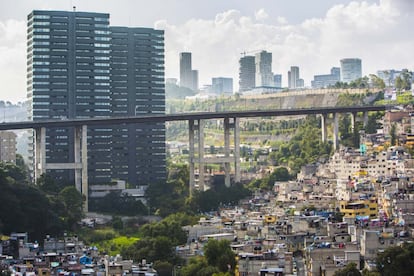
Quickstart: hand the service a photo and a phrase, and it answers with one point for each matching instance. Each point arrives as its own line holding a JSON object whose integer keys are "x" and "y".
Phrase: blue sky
{"x": 311, "y": 34}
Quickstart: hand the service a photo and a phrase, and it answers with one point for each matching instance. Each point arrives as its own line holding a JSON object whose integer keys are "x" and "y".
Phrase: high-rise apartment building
{"x": 68, "y": 77}
{"x": 247, "y": 73}
{"x": 294, "y": 79}
{"x": 264, "y": 75}
{"x": 351, "y": 69}
{"x": 137, "y": 88}
{"x": 80, "y": 67}
{"x": 188, "y": 76}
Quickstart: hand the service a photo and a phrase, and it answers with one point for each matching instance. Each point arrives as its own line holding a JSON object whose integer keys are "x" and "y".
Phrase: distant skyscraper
{"x": 278, "y": 80}
{"x": 293, "y": 76}
{"x": 264, "y": 75}
{"x": 323, "y": 81}
{"x": 247, "y": 73}
{"x": 80, "y": 67}
{"x": 222, "y": 86}
{"x": 351, "y": 69}
{"x": 188, "y": 76}
{"x": 300, "y": 83}
{"x": 194, "y": 80}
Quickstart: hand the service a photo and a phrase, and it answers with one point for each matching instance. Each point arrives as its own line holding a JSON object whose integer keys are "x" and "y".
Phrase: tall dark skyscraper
{"x": 68, "y": 77}
{"x": 80, "y": 67}
{"x": 137, "y": 86}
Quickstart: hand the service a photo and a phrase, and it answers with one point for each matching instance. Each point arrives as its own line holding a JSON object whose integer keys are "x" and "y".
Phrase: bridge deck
{"x": 187, "y": 116}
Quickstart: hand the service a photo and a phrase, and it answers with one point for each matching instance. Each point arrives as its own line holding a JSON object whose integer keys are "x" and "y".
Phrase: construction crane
{"x": 250, "y": 52}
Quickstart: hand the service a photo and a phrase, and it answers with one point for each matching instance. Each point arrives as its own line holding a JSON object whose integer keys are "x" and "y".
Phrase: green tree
{"x": 399, "y": 83}
{"x": 396, "y": 260}
{"x": 345, "y": 127}
{"x": 349, "y": 270}
{"x": 155, "y": 249}
{"x": 198, "y": 266}
{"x": 15, "y": 173}
{"x": 220, "y": 255}
{"x": 22, "y": 165}
{"x": 366, "y": 272}
{"x": 403, "y": 81}
{"x": 377, "y": 82}
{"x": 72, "y": 202}
{"x": 170, "y": 227}
{"x": 372, "y": 124}
{"x": 47, "y": 184}
{"x": 281, "y": 174}
{"x": 28, "y": 209}
{"x": 117, "y": 223}
{"x": 164, "y": 268}
{"x": 211, "y": 199}
{"x": 393, "y": 134}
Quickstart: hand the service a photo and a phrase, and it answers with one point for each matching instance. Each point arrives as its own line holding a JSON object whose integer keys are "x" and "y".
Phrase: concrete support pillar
{"x": 365, "y": 115}
{"x": 237, "y": 176}
{"x": 85, "y": 166}
{"x": 336, "y": 131}
{"x": 323, "y": 127}
{"x": 227, "y": 151}
{"x": 198, "y": 160}
{"x": 201, "y": 165}
{"x": 353, "y": 121}
{"x": 40, "y": 152}
{"x": 191, "y": 155}
{"x": 77, "y": 153}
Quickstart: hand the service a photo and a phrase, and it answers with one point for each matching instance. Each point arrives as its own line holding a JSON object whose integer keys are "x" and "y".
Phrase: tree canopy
{"x": 396, "y": 260}
{"x": 28, "y": 209}
{"x": 349, "y": 270}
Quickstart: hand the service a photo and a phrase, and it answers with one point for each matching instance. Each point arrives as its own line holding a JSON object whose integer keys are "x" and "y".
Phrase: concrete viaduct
{"x": 196, "y": 134}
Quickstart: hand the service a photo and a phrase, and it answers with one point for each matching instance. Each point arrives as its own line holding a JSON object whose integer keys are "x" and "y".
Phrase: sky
{"x": 313, "y": 35}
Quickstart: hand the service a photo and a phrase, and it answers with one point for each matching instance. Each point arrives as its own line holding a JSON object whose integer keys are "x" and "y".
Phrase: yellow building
{"x": 352, "y": 209}
{"x": 410, "y": 141}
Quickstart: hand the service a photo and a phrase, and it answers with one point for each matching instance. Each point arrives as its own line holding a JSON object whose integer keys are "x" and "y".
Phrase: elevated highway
{"x": 196, "y": 134}
{"x": 187, "y": 117}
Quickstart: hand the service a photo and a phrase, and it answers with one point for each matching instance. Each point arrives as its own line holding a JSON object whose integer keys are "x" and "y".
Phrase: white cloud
{"x": 281, "y": 20}
{"x": 261, "y": 15}
{"x": 379, "y": 34}
{"x": 13, "y": 60}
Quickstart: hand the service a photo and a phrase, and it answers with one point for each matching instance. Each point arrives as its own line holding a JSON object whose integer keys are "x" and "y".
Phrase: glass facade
{"x": 78, "y": 69}
{"x": 137, "y": 75}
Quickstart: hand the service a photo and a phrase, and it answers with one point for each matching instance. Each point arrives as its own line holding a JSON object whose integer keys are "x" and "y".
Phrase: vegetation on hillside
{"x": 304, "y": 147}
{"x": 403, "y": 98}
{"x": 171, "y": 197}
{"x": 33, "y": 210}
